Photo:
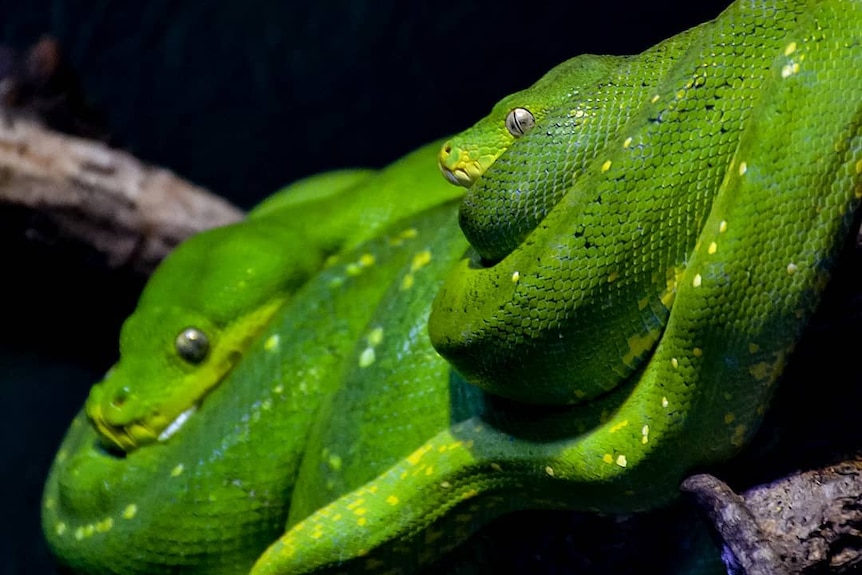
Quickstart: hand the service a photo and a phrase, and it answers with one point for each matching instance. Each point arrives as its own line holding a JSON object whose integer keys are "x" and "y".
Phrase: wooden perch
{"x": 808, "y": 522}
{"x": 131, "y": 213}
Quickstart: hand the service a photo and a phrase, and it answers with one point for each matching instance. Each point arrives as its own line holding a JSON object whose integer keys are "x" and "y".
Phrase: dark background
{"x": 243, "y": 97}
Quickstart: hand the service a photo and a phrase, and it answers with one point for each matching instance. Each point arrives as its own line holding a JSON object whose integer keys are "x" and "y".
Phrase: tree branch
{"x": 131, "y": 213}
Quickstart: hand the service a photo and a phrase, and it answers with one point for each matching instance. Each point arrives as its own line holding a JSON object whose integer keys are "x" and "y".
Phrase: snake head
{"x": 198, "y": 315}
{"x": 464, "y": 159}
{"x": 167, "y": 366}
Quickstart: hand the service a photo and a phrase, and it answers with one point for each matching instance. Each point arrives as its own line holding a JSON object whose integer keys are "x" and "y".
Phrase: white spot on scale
{"x": 367, "y": 357}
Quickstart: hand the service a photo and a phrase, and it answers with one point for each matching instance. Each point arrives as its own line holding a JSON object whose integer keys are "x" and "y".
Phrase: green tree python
{"x": 648, "y": 237}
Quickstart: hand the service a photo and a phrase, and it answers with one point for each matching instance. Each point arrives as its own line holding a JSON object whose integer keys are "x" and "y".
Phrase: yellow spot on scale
{"x": 366, "y": 260}
{"x": 618, "y": 426}
{"x": 722, "y": 227}
{"x": 792, "y": 268}
{"x": 360, "y": 511}
{"x": 664, "y": 402}
{"x": 613, "y": 276}
{"x": 627, "y": 142}
{"x": 743, "y": 167}
{"x": 367, "y": 357}
{"x": 753, "y": 348}
{"x": 130, "y": 511}
{"x": 334, "y": 462}
{"x": 429, "y": 470}
{"x": 606, "y": 166}
{"x": 375, "y": 336}
{"x": 105, "y": 525}
{"x": 739, "y": 434}
{"x": 415, "y": 457}
{"x": 177, "y": 471}
{"x": 789, "y": 69}
{"x": 790, "y": 49}
{"x": 392, "y": 500}
{"x": 516, "y": 276}
{"x": 608, "y": 458}
{"x": 674, "y": 362}
{"x": 645, "y": 434}
{"x": 697, "y": 352}
{"x": 729, "y": 418}
{"x": 409, "y": 233}
{"x": 655, "y": 99}
{"x": 761, "y": 371}
{"x": 621, "y": 460}
{"x": 697, "y": 280}
{"x": 420, "y": 260}
{"x": 271, "y": 343}
{"x": 407, "y": 282}
{"x": 639, "y": 345}
{"x": 713, "y": 247}
{"x": 357, "y": 503}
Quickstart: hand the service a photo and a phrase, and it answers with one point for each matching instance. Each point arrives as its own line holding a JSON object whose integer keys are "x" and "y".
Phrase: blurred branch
{"x": 132, "y": 213}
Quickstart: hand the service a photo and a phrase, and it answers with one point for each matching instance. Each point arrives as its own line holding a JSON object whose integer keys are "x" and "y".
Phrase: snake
{"x": 640, "y": 244}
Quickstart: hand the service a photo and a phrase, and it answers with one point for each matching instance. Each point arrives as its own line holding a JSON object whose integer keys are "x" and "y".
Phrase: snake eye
{"x": 192, "y": 345}
{"x": 519, "y": 121}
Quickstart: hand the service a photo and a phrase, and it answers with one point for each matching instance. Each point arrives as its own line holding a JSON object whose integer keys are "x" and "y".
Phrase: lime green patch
{"x": 639, "y": 345}
{"x": 618, "y": 426}
{"x": 272, "y": 343}
{"x": 367, "y": 357}
{"x": 420, "y": 260}
{"x": 334, "y": 462}
{"x": 375, "y": 336}
{"x": 130, "y": 511}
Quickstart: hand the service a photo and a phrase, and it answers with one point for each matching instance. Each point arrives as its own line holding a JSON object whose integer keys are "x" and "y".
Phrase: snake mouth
{"x": 128, "y": 437}
{"x": 458, "y": 176}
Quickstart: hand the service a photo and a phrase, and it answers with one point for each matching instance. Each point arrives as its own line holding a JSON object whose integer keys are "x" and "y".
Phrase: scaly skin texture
{"x": 659, "y": 297}
{"x": 644, "y": 257}
{"x": 209, "y": 498}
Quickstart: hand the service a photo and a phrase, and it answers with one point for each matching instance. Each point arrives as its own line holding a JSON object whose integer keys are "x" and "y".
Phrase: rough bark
{"x": 131, "y": 213}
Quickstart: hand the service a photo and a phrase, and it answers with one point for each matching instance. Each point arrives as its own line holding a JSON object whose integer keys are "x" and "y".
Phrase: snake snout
{"x": 455, "y": 165}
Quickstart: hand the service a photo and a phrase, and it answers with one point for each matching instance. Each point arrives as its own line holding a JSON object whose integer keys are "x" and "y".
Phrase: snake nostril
{"x": 447, "y": 149}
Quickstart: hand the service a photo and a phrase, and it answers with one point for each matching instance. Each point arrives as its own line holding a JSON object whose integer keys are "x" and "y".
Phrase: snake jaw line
{"x": 177, "y": 423}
